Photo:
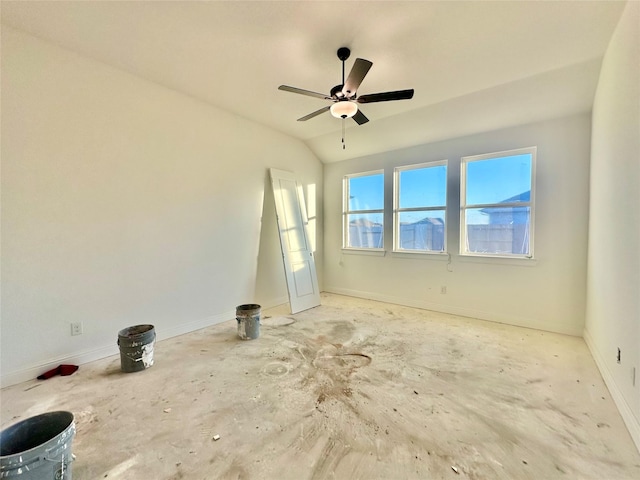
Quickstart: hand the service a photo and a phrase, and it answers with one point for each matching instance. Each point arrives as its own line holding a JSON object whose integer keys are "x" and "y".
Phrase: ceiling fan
{"x": 344, "y": 97}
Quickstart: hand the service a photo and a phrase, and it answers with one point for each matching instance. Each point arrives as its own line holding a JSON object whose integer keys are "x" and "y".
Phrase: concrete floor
{"x": 352, "y": 389}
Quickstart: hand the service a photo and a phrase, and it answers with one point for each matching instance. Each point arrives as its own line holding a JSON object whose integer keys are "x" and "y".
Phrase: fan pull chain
{"x": 343, "y": 144}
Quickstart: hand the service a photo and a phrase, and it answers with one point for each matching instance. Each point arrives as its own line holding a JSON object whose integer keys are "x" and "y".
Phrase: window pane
{"x": 367, "y": 192}
{"x": 421, "y": 231}
{"x": 423, "y": 187}
{"x": 365, "y": 230}
{"x": 498, "y": 230}
{"x": 499, "y": 180}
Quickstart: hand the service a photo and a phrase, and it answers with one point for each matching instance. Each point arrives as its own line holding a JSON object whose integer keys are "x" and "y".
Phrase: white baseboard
{"x": 274, "y": 302}
{"x": 463, "y": 312}
{"x": 32, "y": 371}
{"x": 195, "y": 325}
{"x": 80, "y": 358}
{"x": 630, "y": 420}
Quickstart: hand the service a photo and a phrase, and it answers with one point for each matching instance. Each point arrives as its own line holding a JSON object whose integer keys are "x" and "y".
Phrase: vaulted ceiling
{"x": 475, "y": 66}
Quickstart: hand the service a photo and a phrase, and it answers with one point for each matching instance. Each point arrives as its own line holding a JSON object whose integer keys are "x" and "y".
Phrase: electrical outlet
{"x": 76, "y": 328}
{"x": 443, "y": 289}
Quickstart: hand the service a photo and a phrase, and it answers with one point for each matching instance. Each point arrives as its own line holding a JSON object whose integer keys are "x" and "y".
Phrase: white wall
{"x": 124, "y": 202}
{"x": 613, "y": 282}
{"x": 547, "y": 293}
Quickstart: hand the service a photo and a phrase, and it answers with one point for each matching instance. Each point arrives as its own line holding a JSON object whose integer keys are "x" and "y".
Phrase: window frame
{"x": 397, "y": 210}
{"x": 464, "y": 161}
{"x": 346, "y": 212}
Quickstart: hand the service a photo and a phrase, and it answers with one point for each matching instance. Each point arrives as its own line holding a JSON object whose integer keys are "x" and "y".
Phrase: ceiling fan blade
{"x": 308, "y": 93}
{"x": 360, "y": 117}
{"x": 314, "y": 114}
{"x": 386, "y": 96}
{"x": 356, "y": 75}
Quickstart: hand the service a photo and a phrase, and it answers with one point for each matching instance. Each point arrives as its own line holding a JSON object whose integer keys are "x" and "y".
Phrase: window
{"x": 496, "y": 202}
{"x": 420, "y": 208}
{"x": 363, "y": 211}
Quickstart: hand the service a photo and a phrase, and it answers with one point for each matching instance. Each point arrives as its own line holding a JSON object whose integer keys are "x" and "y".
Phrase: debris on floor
{"x": 321, "y": 406}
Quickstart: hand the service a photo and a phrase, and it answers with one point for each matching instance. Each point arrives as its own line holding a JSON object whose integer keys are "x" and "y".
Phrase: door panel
{"x": 299, "y": 264}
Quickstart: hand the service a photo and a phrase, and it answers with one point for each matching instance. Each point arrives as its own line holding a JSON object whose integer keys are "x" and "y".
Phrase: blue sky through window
{"x": 497, "y": 179}
{"x": 423, "y": 187}
{"x": 366, "y": 192}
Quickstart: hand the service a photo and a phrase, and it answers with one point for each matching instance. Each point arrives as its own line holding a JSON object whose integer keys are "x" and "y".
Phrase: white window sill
{"x": 376, "y": 252}
{"x": 441, "y": 256}
{"x": 497, "y": 259}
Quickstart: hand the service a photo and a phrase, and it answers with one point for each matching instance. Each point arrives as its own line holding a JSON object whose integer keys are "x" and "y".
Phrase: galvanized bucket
{"x": 136, "y": 347}
{"x": 38, "y": 448}
{"x": 248, "y": 317}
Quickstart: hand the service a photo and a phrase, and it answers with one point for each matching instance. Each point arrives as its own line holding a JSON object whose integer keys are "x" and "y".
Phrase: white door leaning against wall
{"x": 299, "y": 264}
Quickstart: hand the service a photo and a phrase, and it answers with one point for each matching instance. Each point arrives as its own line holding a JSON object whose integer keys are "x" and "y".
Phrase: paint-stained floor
{"x": 352, "y": 389}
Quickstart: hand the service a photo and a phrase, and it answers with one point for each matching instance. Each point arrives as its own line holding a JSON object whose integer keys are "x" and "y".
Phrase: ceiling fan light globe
{"x": 344, "y": 109}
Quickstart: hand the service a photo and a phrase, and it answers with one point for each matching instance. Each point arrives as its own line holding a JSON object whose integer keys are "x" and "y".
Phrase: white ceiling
{"x": 475, "y": 66}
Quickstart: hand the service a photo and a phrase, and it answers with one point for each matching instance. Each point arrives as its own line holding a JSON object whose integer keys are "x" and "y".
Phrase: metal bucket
{"x": 38, "y": 448}
{"x": 136, "y": 347}
{"x": 248, "y": 317}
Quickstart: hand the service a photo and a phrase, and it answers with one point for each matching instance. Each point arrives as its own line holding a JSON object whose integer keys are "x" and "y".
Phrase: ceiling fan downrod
{"x": 343, "y": 55}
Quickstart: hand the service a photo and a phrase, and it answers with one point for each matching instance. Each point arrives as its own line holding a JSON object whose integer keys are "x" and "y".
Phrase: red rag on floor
{"x": 67, "y": 369}
{"x": 63, "y": 370}
{"x": 49, "y": 374}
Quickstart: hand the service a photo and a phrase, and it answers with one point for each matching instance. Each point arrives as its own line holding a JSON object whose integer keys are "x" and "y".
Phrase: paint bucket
{"x": 38, "y": 448}
{"x": 248, "y": 317}
{"x": 136, "y": 347}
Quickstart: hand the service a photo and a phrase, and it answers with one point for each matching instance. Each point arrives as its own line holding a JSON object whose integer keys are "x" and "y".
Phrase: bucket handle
{"x": 64, "y": 465}
{"x": 54, "y": 459}
{"x": 55, "y": 451}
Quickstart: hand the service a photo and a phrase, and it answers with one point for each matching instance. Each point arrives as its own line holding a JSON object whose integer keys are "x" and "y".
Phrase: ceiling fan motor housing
{"x": 336, "y": 92}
